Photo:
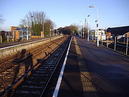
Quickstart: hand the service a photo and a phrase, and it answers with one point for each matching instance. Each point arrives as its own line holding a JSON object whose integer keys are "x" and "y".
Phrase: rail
{"x": 57, "y": 64}
{"x": 11, "y": 88}
{"x": 37, "y": 52}
{"x": 7, "y": 68}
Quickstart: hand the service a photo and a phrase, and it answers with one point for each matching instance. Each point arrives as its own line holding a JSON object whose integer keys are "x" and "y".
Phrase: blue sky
{"x": 111, "y": 13}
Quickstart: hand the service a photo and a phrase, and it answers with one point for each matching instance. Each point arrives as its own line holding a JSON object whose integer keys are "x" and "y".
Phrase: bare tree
{"x": 23, "y": 23}
{"x": 38, "y": 23}
{"x": 74, "y": 28}
{"x": 48, "y": 27}
{"x": 35, "y": 21}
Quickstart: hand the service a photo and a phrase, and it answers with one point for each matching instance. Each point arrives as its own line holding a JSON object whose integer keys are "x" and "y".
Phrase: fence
{"x": 117, "y": 43}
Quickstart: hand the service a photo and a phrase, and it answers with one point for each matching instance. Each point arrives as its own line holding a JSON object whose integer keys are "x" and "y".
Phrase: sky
{"x": 110, "y": 13}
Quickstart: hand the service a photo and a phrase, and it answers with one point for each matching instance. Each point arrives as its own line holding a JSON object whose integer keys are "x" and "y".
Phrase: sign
{"x": 13, "y": 28}
{"x": 127, "y": 34}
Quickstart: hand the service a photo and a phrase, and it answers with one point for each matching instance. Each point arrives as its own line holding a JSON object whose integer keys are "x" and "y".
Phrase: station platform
{"x": 92, "y": 71}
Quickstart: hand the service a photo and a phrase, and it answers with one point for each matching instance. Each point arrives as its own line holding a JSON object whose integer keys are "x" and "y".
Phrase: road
{"x": 92, "y": 71}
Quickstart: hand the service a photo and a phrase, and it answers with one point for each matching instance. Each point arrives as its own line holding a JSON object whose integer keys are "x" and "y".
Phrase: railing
{"x": 117, "y": 45}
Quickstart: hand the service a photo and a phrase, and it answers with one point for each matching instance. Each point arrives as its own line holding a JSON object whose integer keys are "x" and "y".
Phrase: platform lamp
{"x": 87, "y": 28}
{"x": 32, "y": 24}
{"x": 97, "y": 24}
{"x": 96, "y": 21}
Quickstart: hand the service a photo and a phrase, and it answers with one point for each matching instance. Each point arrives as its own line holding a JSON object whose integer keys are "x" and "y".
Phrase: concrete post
{"x": 98, "y": 38}
{"x": 127, "y": 45}
{"x": 97, "y": 42}
{"x": 115, "y": 42}
{"x": 107, "y": 42}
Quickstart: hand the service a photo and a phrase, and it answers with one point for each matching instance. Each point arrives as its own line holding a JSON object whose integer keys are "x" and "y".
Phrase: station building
{"x": 20, "y": 33}
{"x": 121, "y": 32}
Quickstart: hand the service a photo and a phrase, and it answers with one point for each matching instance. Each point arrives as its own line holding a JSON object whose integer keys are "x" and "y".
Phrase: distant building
{"x": 19, "y": 33}
{"x": 99, "y": 33}
{"x": 15, "y": 33}
{"x": 5, "y": 36}
{"x": 115, "y": 31}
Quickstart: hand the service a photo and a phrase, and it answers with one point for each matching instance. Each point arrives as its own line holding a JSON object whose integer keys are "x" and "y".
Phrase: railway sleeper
{"x": 32, "y": 86}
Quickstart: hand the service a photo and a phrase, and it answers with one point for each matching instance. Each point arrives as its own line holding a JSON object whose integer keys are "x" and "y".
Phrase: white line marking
{"x": 55, "y": 94}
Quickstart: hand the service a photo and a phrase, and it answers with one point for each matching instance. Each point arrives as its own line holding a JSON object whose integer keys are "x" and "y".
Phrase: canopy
{"x": 118, "y": 30}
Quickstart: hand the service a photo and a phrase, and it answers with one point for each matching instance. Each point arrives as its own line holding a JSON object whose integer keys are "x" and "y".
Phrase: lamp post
{"x": 31, "y": 24}
{"x": 81, "y": 26}
{"x": 25, "y": 29}
{"x": 87, "y": 29}
{"x": 97, "y": 33}
{"x": 97, "y": 24}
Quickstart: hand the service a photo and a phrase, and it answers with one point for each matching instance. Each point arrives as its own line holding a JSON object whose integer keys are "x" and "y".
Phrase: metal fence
{"x": 120, "y": 44}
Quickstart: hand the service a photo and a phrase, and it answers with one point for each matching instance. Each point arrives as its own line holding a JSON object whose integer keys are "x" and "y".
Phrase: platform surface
{"x": 92, "y": 71}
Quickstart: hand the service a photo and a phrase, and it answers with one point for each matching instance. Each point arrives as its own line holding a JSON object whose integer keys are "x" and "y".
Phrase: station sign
{"x": 13, "y": 28}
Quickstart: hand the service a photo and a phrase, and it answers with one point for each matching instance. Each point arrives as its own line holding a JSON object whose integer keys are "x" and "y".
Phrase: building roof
{"x": 118, "y": 30}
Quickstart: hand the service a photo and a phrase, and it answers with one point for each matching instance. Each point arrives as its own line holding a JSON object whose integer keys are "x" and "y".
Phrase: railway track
{"x": 36, "y": 51}
{"x": 5, "y": 58}
{"x": 37, "y": 84}
{"x": 7, "y": 68}
{"x": 8, "y": 52}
